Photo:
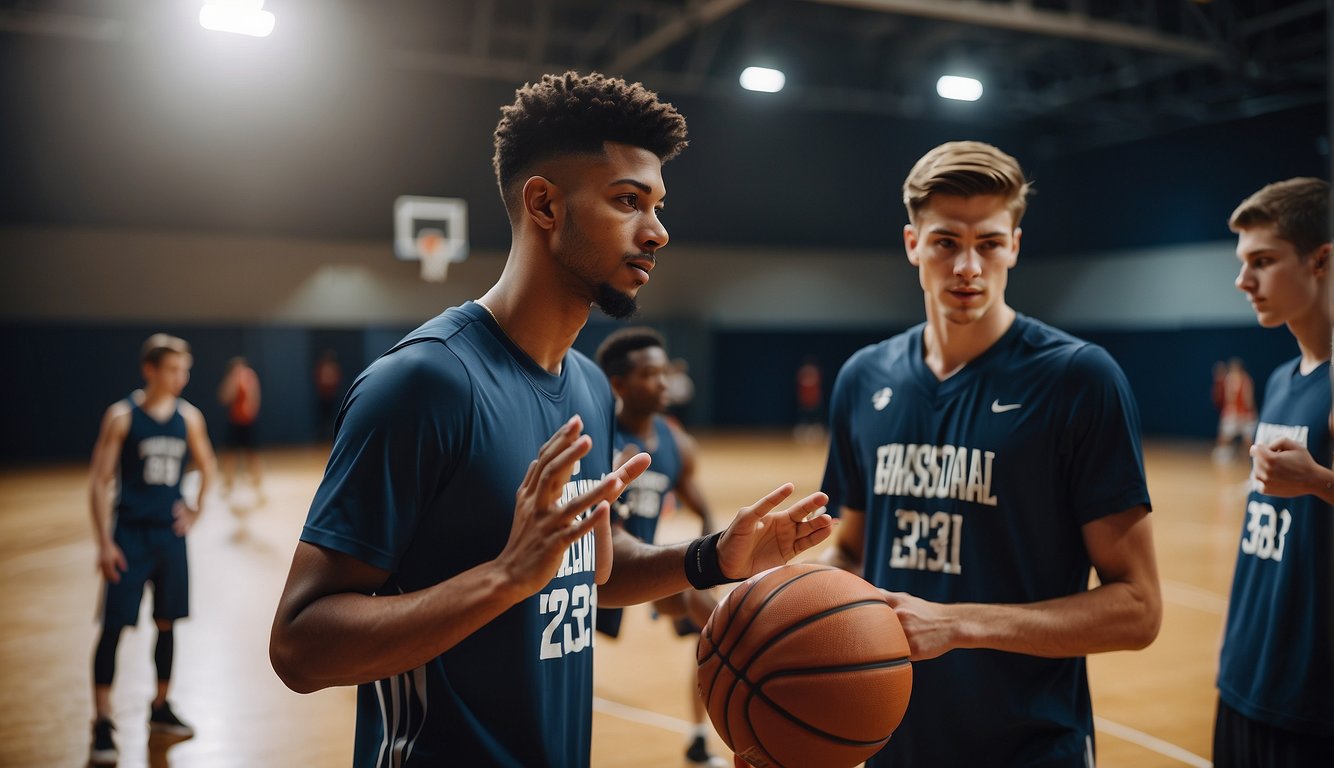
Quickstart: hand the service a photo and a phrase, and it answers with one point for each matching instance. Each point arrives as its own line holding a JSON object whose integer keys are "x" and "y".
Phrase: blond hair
{"x": 966, "y": 169}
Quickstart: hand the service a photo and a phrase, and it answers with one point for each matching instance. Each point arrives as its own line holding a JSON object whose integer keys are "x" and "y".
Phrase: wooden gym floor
{"x": 1153, "y": 708}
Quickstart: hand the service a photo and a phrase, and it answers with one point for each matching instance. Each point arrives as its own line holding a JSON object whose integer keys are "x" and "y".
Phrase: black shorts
{"x": 241, "y": 435}
{"x": 152, "y": 554}
{"x": 1240, "y": 742}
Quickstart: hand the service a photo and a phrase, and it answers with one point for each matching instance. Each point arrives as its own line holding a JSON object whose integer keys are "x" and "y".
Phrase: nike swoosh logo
{"x": 996, "y": 406}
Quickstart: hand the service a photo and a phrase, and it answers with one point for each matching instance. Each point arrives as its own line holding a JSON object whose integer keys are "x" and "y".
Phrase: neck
{"x": 154, "y": 397}
{"x": 948, "y": 347}
{"x": 537, "y": 314}
{"x": 636, "y": 423}
{"x": 1313, "y": 334}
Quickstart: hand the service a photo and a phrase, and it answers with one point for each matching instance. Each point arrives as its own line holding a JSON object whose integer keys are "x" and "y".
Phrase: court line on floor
{"x": 1152, "y": 743}
{"x": 641, "y": 716}
{"x": 1112, "y": 728}
{"x": 1192, "y": 596}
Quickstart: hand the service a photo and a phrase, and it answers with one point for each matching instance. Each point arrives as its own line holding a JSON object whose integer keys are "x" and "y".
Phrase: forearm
{"x": 1322, "y": 484}
{"x": 351, "y": 638}
{"x": 100, "y": 504}
{"x": 1111, "y": 617}
{"x": 642, "y": 572}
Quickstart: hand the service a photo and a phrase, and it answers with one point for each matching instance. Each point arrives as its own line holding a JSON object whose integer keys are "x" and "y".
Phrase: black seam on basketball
{"x": 803, "y": 623}
{"x": 755, "y": 691}
{"x": 773, "y": 593}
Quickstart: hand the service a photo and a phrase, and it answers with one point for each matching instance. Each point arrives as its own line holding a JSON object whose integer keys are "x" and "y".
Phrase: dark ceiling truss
{"x": 1104, "y": 70}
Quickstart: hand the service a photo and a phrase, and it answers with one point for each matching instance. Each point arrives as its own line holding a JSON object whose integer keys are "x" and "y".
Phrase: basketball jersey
{"x": 243, "y": 410}
{"x": 643, "y": 499}
{"x": 975, "y": 489}
{"x": 432, "y": 442}
{"x": 151, "y": 460}
{"x": 1277, "y": 645}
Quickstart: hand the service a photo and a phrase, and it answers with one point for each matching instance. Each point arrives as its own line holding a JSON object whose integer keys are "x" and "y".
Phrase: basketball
{"x": 804, "y": 666}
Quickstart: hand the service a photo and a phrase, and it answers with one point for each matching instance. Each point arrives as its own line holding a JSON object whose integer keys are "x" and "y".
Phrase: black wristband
{"x": 702, "y": 568}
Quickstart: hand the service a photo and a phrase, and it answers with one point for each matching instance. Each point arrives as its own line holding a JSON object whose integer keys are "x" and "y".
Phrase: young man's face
{"x": 1280, "y": 285}
{"x": 963, "y": 248}
{"x": 643, "y": 389}
{"x": 611, "y": 230}
{"x": 171, "y": 373}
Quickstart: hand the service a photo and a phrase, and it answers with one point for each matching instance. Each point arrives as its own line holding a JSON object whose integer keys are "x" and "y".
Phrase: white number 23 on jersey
{"x": 560, "y": 636}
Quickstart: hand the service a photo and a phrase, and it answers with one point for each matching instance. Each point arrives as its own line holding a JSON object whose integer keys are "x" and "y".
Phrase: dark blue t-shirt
{"x": 433, "y": 440}
{"x": 975, "y": 490}
{"x": 151, "y": 462}
{"x": 642, "y": 501}
{"x": 1276, "y": 661}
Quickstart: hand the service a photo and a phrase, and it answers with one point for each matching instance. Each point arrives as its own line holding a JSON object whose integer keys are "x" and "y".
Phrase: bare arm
{"x": 196, "y": 437}
{"x": 1122, "y": 613}
{"x": 687, "y": 483}
{"x": 330, "y": 629}
{"x": 102, "y": 477}
{"x": 758, "y": 538}
{"x": 850, "y": 544}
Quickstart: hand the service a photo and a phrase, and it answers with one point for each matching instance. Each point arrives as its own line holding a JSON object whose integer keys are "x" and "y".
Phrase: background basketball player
{"x": 239, "y": 391}
{"x": 1276, "y": 672}
{"x": 983, "y": 461}
{"x": 461, "y": 607}
{"x": 143, "y": 448}
{"x": 635, "y": 362}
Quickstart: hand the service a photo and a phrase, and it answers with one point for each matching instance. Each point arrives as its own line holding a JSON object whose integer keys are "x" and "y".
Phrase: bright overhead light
{"x": 762, "y": 79}
{"x": 241, "y": 17}
{"x": 959, "y": 88}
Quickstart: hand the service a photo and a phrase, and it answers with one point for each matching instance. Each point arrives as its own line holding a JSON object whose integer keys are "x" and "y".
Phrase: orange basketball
{"x": 804, "y": 666}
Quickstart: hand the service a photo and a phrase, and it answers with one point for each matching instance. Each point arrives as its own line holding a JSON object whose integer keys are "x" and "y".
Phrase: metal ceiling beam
{"x": 696, "y": 16}
{"x": 1022, "y": 17}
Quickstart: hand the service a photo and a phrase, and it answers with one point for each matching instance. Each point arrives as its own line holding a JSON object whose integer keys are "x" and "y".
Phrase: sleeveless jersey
{"x": 643, "y": 499}
{"x": 1276, "y": 666}
{"x": 432, "y": 442}
{"x": 151, "y": 462}
{"x": 974, "y": 489}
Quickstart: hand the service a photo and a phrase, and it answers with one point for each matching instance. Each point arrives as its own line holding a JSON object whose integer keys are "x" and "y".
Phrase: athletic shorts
{"x": 1240, "y": 741}
{"x": 609, "y": 623}
{"x": 154, "y": 554}
{"x": 240, "y": 435}
{"x": 1233, "y": 427}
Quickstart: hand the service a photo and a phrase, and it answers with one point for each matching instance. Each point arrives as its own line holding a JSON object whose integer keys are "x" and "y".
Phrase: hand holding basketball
{"x": 804, "y": 665}
{"x": 761, "y": 538}
{"x": 926, "y": 625}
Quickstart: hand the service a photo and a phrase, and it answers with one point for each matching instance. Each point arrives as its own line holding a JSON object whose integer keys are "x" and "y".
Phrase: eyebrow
{"x": 639, "y": 185}
{"x": 982, "y": 236}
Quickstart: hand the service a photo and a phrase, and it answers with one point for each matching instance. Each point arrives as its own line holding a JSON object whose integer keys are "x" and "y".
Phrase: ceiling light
{"x": 959, "y": 88}
{"x": 242, "y": 17}
{"x": 762, "y": 79}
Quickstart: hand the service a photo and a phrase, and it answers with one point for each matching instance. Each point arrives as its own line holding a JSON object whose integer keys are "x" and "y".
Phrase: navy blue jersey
{"x": 151, "y": 462}
{"x": 643, "y": 499}
{"x": 974, "y": 489}
{"x": 1276, "y": 666}
{"x": 432, "y": 442}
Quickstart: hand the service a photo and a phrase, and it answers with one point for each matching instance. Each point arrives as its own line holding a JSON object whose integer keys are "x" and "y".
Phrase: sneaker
{"x": 163, "y": 720}
{"x": 104, "y": 747}
{"x": 698, "y": 752}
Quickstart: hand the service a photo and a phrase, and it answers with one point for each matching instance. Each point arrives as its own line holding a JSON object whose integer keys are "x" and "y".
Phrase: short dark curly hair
{"x": 575, "y": 114}
{"x": 613, "y": 354}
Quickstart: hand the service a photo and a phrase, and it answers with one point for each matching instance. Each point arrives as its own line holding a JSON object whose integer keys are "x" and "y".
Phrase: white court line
{"x": 1152, "y": 743}
{"x": 641, "y": 716}
{"x": 1193, "y": 597}
{"x": 1126, "y": 733}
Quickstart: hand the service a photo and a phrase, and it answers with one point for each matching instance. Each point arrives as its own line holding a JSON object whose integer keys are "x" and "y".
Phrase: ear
{"x": 1014, "y": 248}
{"x": 910, "y": 244}
{"x": 542, "y": 201}
{"x": 1320, "y": 261}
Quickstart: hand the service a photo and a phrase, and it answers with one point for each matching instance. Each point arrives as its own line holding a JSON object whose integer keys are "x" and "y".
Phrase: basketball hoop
{"x": 433, "y": 249}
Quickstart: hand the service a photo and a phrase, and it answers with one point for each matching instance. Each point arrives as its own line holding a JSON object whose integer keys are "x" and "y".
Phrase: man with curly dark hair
{"x": 461, "y": 608}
